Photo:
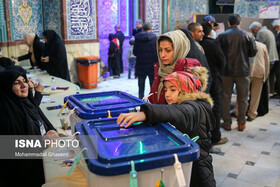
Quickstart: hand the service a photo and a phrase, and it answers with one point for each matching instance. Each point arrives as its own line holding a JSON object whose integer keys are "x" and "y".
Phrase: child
{"x": 131, "y": 58}
{"x": 189, "y": 110}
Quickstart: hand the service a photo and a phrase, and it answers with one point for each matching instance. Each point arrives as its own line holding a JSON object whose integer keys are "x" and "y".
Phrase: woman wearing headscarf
{"x": 172, "y": 48}
{"x": 35, "y": 50}
{"x": 20, "y": 115}
{"x": 114, "y": 61}
{"x": 55, "y": 55}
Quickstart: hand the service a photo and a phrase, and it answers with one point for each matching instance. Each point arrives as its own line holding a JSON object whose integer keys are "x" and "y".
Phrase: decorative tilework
{"x": 251, "y": 8}
{"x": 52, "y": 15}
{"x": 81, "y": 19}
{"x": 182, "y": 11}
{"x": 154, "y": 14}
{"x": 232, "y": 175}
{"x": 107, "y": 17}
{"x": 26, "y": 17}
{"x": 124, "y": 16}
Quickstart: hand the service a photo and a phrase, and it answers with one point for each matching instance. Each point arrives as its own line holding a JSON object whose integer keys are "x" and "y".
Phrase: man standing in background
{"x": 120, "y": 36}
{"x": 276, "y": 68}
{"x": 266, "y": 37}
{"x": 237, "y": 45}
{"x": 145, "y": 50}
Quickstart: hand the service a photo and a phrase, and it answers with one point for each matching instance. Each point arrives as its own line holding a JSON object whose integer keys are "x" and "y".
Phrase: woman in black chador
{"x": 55, "y": 55}
{"x": 20, "y": 115}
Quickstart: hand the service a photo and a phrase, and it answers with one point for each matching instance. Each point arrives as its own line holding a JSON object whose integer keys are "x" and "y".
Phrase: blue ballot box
{"x": 101, "y": 105}
{"x": 110, "y": 150}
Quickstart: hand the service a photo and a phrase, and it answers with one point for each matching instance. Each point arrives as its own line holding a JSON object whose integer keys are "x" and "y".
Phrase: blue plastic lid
{"x": 96, "y": 105}
{"x": 111, "y": 148}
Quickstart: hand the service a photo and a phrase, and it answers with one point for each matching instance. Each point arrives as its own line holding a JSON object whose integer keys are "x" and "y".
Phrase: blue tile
{"x": 236, "y": 144}
{"x": 265, "y": 153}
{"x": 232, "y": 175}
{"x": 251, "y": 136}
{"x": 250, "y": 163}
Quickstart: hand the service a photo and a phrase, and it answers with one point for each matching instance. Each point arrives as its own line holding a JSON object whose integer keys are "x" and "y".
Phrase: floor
{"x": 250, "y": 158}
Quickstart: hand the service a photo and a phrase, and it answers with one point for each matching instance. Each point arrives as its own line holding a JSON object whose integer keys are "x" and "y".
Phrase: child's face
{"x": 166, "y": 52}
{"x": 171, "y": 93}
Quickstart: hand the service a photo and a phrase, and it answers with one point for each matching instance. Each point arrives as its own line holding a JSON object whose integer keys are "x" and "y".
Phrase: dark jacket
{"x": 215, "y": 57}
{"x": 38, "y": 48}
{"x": 136, "y": 31}
{"x": 238, "y": 45}
{"x": 55, "y": 49}
{"x": 194, "y": 118}
{"x": 145, "y": 50}
{"x": 278, "y": 43}
{"x": 181, "y": 65}
{"x": 197, "y": 54}
{"x": 120, "y": 36}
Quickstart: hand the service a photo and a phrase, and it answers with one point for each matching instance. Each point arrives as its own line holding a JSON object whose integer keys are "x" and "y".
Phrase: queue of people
{"x": 191, "y": 73}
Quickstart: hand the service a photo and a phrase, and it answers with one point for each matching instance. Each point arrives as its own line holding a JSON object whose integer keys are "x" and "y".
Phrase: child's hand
{"x": 130, "y": 118}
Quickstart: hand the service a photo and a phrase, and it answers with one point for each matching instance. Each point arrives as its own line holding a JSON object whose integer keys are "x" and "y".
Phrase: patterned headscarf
{"x": 190, "y": 84}
{"x": 185, "y": 82}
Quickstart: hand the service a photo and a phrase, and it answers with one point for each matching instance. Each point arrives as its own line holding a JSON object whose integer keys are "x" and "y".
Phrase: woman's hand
{"x": 45, "y": 59}
{"x": 40, "y": 88}
{"x": 51, "y": 135}
{"x": 14, "y": 57}
{"x": 130, "y": 118}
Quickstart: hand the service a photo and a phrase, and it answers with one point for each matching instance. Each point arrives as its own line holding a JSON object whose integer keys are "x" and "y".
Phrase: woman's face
{"x": 20, "y": 87}
{"x": 166, "y": 52}
{"x": 171, "y": 93}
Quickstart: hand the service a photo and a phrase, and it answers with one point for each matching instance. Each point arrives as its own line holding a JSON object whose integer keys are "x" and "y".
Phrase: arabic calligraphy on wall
{"x": 81, "y": 19}
{"x": 154, "y": 14}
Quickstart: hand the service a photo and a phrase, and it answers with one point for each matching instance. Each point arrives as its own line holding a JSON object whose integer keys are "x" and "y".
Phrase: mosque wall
{"x": 181, "y": 11}
{"x": 25, "y": 17}
{"x": 251, "y": 8}
{"x": 52, "y": 15}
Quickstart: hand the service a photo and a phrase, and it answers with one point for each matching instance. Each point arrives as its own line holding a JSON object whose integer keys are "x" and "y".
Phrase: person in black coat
{"x": 216, "y": 61}
{"x": 189, "y": 110}
{"x": 5, "y": 62}
{"x": 114, "y": 56}
{"x": 20, "y": 115}
{"x": 145, "y": 50}
{"x": 35, "y": 51}
{"x": 55, "y": 55}
{"x": 120, "y": 37}
{"x": 197, "y": 54}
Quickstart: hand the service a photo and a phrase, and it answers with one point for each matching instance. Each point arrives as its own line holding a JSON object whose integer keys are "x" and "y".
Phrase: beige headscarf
{"x": 29, "y": 39}
{"x": 181, "y": 46}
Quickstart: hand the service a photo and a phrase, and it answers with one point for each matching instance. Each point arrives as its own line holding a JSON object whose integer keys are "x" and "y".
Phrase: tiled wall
{"x": 154, "y": 15}
{"x": 251, "y": 8}
{"x": 184, "y": 10}
{"x": 81, "y": 19}
{"x": 52, "y": 15}
{"x": 25, "y": 17}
